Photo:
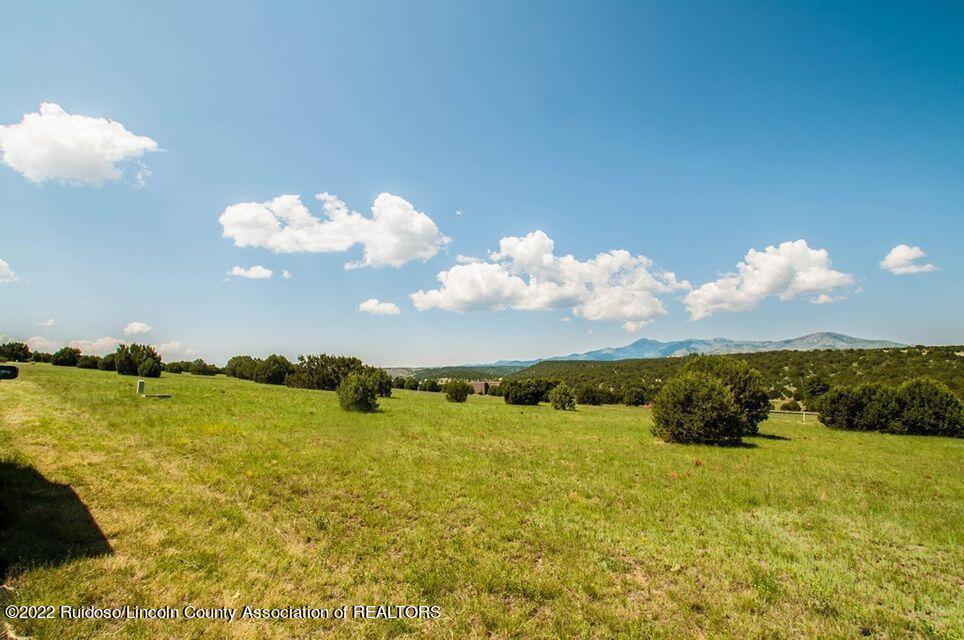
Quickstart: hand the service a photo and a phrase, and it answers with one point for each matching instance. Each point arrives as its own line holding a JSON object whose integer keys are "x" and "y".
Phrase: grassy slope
{"x": 518, "y": 521}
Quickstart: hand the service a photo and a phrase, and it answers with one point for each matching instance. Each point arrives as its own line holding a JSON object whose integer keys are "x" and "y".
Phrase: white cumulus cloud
{"x": 55, "y": 145}
{"x": 395, "y": 234}
{"x": 136, "y": 329}
{"x": 903, "y": 260}
{"x": 286, "y": 274}
{"x": 168, "y": 348}
{"x": 6, "y": 273}
{"x": 96, "y": 347}
{"x": 375, "y": 306}
{"x": 257, "y": 272}
{"x": 526, "y": 274}
{"x": 787, "y": 271}
{"x": 49, "y": 322}
{"x": 39, "y": 343}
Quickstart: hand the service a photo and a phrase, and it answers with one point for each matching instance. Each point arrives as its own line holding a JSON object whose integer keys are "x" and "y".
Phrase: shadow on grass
{"x": 737, "y": 445}
{"x": 768, "y": 436}
{"x": 721, "y": 445}
{"x": 42, "y": 523}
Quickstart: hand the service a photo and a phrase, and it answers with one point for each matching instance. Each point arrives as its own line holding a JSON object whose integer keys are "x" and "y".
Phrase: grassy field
{"x": 516, "y": 521}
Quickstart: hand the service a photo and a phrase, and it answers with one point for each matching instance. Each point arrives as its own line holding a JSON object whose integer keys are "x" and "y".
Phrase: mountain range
{"x": 646, "y": 348}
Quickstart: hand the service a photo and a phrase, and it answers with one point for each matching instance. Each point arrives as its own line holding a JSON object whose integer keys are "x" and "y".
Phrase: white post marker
{"x": 140, "y": 387}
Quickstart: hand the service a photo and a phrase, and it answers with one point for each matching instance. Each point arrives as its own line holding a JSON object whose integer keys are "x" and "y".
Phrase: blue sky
{"x": 672, "y": 138}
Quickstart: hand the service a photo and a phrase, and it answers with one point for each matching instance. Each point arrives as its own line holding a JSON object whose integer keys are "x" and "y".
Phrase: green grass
{"x": 516, "y": 521}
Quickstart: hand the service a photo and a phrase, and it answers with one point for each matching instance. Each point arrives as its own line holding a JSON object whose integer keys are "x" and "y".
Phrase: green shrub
{"x": 562, "y": 398}
{"x": 411, "y": 384}
{"x": 383, "y": 381}
{"x": 430, "y": 385}
{"x": 545, "y": 387}
{"x": 40, "y": 356}
{"x": 928, "y": 407}
{"x": 178, "y": 366}
{"x": 149, "y": 368}
{"x": 358, "y": 392}
{"x": 88, "y": 362}
{"x": 129, "y": 358}
{"x": 14, "y": 352}
{"x": 201, "y": 368}
{"x": 745, "y": 384}
{"x": 792, "y": 405}
{"x": 875, "y": 407}
{"x": 867, "y": 407}
{"x": 322, "y": 371}
{"x": 107, "y": 363}
{"x": 588, "y": 393}
{"x": 243, "y": 367}
{"x": 524, "y": 392}
{"x": 124, "y": 362}
{"x": 634, "y": 397}
{"x": 920, "y": 406}
{"x": 457, "y": 390}
{"x": 696, "y": 407}
{"x": 66, "y": 357}
{"x": 814, "y": 388}
{"x": 838, "y": 409}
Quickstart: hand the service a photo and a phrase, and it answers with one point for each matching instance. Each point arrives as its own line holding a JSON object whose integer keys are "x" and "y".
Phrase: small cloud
{"x": 136, "y": 328}
{"x": 6, "y": 273}
{"x": 141, "y": 175}
{"x": 49, "y": 322}
{"x": 286, "y": 274}
{"x": 191, "y": 352}
{"x": 824, "y": 298}
{"x": 257, "y": 272}
{"x": 632, "y": 326}
{"x": 374, "y": 306}
{"x": 903, "y": 260}
{"x": 566, "y": 319}
{"x": 459, "y": 213}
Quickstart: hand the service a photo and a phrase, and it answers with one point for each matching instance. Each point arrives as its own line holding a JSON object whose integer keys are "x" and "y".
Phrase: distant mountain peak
{"x": 648, "y": 348}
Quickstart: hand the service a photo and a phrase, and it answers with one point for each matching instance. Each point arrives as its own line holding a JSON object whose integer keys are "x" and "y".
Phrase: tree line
{"x": 132, "y": 360}
{"x": 721, "y": 399}
{"x": 788, "y": 375}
